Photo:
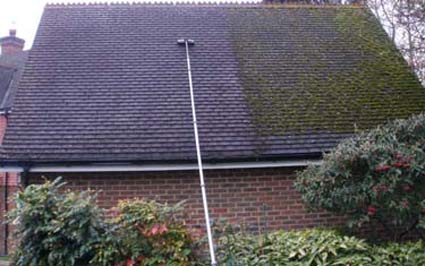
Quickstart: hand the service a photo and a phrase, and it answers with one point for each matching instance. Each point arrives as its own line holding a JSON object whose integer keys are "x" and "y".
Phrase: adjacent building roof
{"x": 6, "y": 76}
{"x": 108, "y": 82}
{"x": 11, "y": 67}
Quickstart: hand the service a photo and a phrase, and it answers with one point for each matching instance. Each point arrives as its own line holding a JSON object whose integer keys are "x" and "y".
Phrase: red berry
{"x": 378, "y": 188}
{"x": 398, "y": 164}
{"x": 382, "y": 168}
{"x": 407, "y": 188}
{"x": 162, "y": 229}
{"x": 371, "y": 210}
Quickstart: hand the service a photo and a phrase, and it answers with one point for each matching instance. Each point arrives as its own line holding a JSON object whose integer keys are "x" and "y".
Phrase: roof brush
{"x": 187, "y": 43}
{"x": 183, "y": 41}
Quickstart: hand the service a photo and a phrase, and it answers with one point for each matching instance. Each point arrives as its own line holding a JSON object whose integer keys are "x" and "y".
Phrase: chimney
{"x": 11, "y": 44}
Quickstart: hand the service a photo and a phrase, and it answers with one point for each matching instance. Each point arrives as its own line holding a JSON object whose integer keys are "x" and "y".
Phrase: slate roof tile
{"x": 11, "y": 68}
{"x": 109, "y": 83}
{"x": 6, "y": 76}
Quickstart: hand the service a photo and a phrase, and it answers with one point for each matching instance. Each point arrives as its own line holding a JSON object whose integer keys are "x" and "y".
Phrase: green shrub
{"x": 55, "y": 228}
{"x": 375, "y": 176}
{"x": 66, "y": 229}
{"x": 147, "y": 233}
{"x": 313, "y": 247}
{"x": 408, "y": 254}
{"x": 309, "y": 247}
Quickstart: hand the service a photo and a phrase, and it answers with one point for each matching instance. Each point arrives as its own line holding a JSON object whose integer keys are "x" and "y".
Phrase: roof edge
{"x": 40, "y": 168}
{"x": 226, "y": 3}
{"x": 264, "y": 158}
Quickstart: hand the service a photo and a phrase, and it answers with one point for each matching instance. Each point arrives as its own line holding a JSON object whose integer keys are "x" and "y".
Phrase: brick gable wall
{"x": 260, "y": 199}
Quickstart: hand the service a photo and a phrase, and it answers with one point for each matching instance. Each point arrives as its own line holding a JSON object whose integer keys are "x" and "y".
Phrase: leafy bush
{"x": 313, "y": 247}
{"x": 407, "y": 254}
{"x": 375, "y": 176}
{"x": 310, "y": 247}
{"x": 55, "y": 228}
{"x": 147, "y": 233}
{"x": 67, "y": 229}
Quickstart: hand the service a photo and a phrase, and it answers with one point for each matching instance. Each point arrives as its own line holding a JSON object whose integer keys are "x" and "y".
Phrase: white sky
{"x": 24, "y": 15}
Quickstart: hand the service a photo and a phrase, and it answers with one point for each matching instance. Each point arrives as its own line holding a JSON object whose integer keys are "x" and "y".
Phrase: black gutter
{"x": 27, "y": 164}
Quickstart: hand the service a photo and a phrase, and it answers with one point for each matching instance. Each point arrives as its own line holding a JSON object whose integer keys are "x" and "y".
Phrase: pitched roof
{"x": 109, "y": 83}
{"x": 6, "y": 76}
{"x": 11, "y": 67}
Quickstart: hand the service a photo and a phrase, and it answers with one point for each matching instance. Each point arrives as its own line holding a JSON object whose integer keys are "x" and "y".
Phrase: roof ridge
{"x": 155, "y": 2}
{"x": 248, "y": 3}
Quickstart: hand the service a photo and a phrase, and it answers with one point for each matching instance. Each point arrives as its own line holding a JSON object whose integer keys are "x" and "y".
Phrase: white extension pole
{"x": 198, "y": 153}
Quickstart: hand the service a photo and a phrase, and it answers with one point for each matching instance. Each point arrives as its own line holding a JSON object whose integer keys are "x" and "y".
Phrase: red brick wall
{"x": 262, "y": 199}
{"x": 10, "y": 49}
{"x": 258, "y": 198}
{"x": 12, "y": 187}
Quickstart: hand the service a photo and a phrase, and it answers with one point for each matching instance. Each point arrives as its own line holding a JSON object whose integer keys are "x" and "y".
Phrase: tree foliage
{"x": 375, "y": 176}
{"x": 315, "y": 2}
{"x": 404, "y": 21}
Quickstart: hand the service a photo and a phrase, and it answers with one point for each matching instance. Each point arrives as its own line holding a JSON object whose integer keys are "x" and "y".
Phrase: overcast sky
{"x": 24, "y": 15}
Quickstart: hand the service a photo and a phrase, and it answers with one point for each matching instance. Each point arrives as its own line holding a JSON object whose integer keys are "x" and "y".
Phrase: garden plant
{"x": 376, "y": 176}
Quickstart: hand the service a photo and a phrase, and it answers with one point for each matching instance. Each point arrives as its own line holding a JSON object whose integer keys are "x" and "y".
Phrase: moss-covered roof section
{"x": 315, "y": 69}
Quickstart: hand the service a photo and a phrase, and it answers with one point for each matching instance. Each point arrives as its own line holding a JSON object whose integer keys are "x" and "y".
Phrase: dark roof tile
{"x": 109, "y": 83}
{"x": 6, "y": 76}
{"x": 11, "y": 68}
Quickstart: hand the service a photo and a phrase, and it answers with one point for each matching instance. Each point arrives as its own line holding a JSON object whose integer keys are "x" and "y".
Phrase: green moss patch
{"x": 313, "y": 69}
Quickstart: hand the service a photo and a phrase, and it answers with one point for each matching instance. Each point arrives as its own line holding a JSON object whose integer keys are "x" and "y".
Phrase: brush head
{"x": 183, "y": 41}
